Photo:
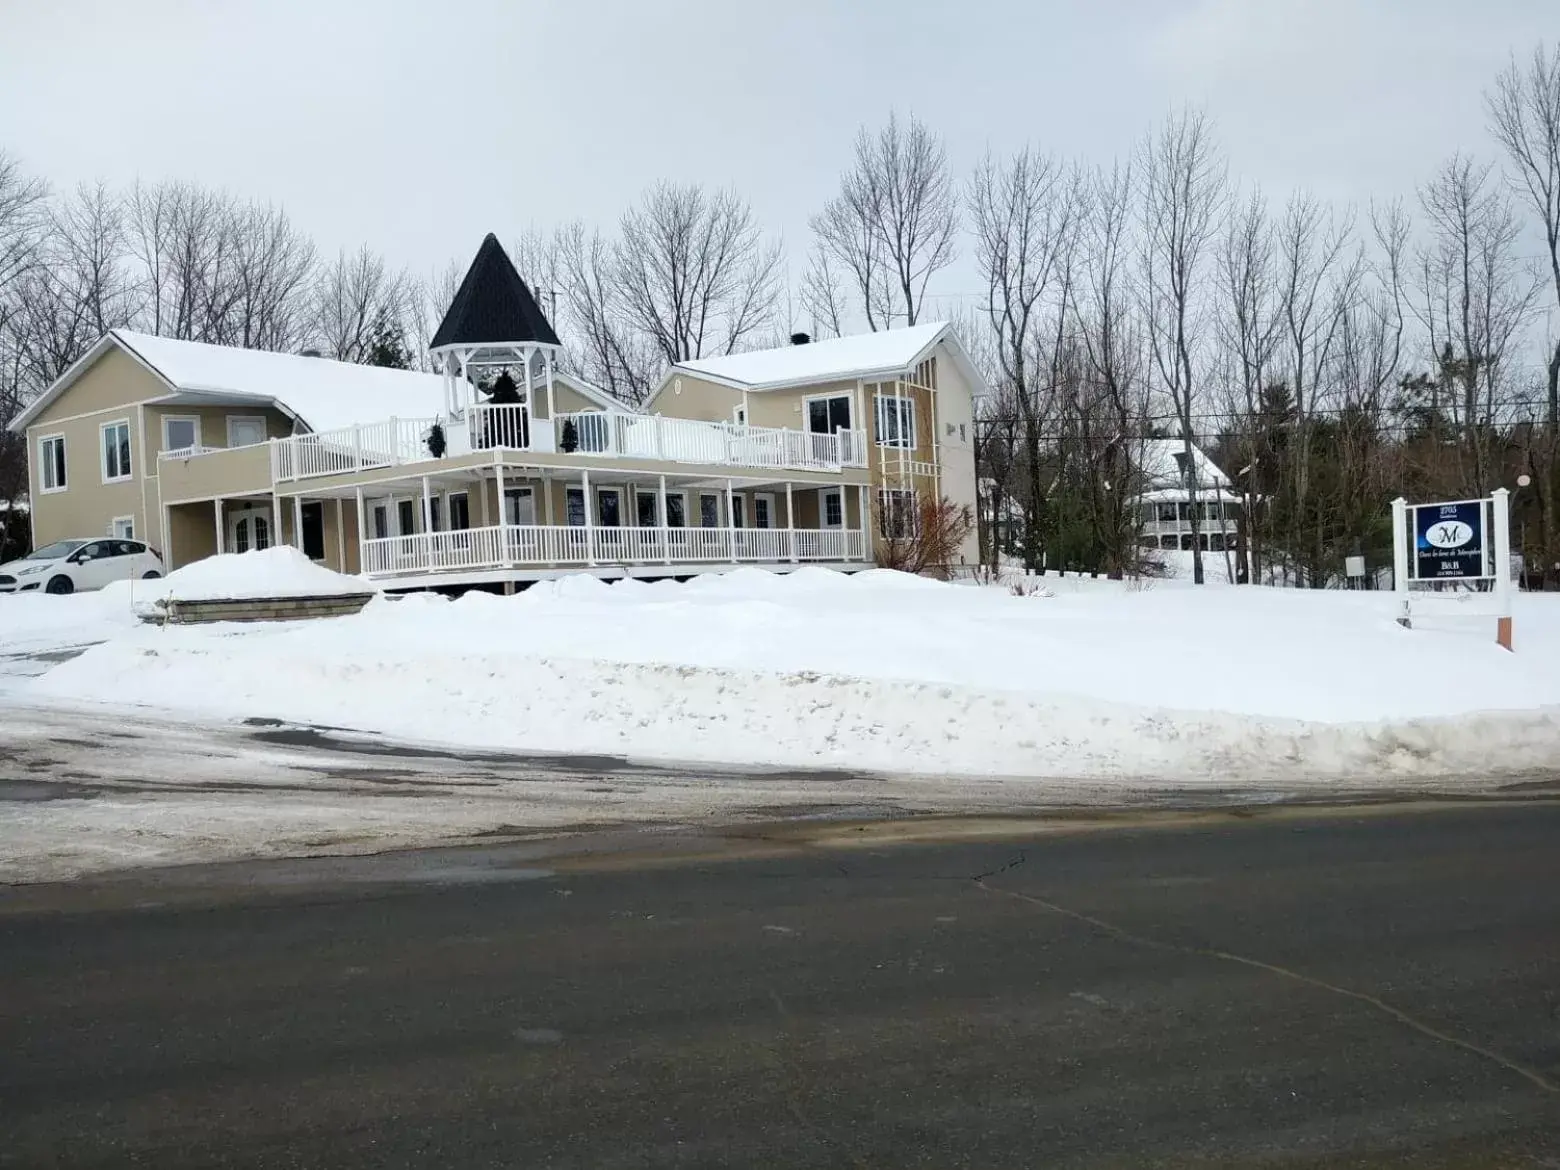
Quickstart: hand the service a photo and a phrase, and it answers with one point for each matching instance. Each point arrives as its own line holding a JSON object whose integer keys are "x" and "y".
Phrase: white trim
{"x": 847, "y": 395}
{"x": 878, "y": 400}
{"x": 823, "y": 506}
{"x": 44, "y": 490}
{"x": 66, "y": 380}
{"x": 253, "y": 418}
{"x": 703, "y": 495}
{"x": 617, "y": 490}
{"x": 768, "y": 498}
{"x": 125, "y": 476}
{"x": 65, "y": 418}
{"x": 167, "y": 446}
{"x": 113, "y": 535}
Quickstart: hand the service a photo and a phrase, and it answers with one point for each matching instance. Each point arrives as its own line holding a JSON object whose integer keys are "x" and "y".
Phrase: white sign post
{"x": 1460, "y": 541}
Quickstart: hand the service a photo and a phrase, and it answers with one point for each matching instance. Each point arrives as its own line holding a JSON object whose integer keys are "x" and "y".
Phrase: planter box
{"x": 257, "y": 609}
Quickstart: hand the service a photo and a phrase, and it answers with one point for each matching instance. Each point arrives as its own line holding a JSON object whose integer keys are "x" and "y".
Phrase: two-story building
{"x": 500, "y": 468}
{"x": 1175, "y": 489}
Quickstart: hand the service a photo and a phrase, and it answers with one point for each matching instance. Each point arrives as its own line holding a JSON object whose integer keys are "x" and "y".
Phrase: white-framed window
{"x": 896, "y": 513}
{"x": 739, "y": 415}
{"x": 181, "y": 432}
{"x": 833, "y": 509}
{"x": 738, "y": 511}
{"x": 825, "y": 415}
{"x": 520, "y": 506}
{"x": 460, "y": 511}
{"x": 51, "y": 463}
{"x": 709, "y": 510}
{"x": 895, "y": 421}
{"x": 245, "y": 430}
{"x": 115, "y": 441}
{"x": 122, "y": 527}
{"x": 763, "y": 510}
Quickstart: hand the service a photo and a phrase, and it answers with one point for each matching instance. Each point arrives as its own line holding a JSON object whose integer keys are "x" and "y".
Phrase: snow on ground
{"x": 886, "y": 672}
{"x": 281, "y": 571}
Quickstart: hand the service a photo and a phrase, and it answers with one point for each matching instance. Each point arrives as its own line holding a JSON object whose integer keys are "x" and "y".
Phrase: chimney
{"x": 800, "y": 339}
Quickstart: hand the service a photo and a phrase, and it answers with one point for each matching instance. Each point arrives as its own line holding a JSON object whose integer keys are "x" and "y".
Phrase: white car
{"x": 68, "y": 565}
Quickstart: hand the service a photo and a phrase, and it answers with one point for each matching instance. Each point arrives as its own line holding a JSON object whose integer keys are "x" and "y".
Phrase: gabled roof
{"x": 1162, "y": 460}
{"x": 837, "y": 359}
{"x": 493, "y": 305}
{"x": 323, "y": 394}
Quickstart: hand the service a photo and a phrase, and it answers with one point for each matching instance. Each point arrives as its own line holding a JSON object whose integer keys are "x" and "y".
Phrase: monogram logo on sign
{"x": 1449, "y": 534}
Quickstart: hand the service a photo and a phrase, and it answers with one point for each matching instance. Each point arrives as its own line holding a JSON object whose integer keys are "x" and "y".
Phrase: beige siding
{"x": 115, "y": 379}
{"x": 787, "y": 408}
{"x": 240, "y": 471}
{"x": 956, "y": 445}
{"x": 87, "y": 505}
{"x": 690, "y": 397}
{"x": 213, "y": 423}
{"x": 192, "y": 534}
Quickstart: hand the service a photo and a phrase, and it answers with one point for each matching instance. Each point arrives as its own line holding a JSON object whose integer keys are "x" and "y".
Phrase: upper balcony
{"x": 594, "y": 435}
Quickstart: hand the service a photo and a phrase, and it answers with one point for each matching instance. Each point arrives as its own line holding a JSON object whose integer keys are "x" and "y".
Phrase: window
{"x": 123, "y": 527}
{"x": 116, "y": 451}
{"x": 709, "y": 510}
{"x": 245, "y": 430}
{"x": 128, "y": 548}
{"x": 1169, "y": 513}
{"x": 381, "y": 521}
{"x": 574, "y": 507}
{"x": 435, "y": 519}
{"x": 739, "y": 416}
{"x": 895, "y": 421}
{"x": 896, "y": 514}
{"x": 262, "y": 531}
{"x": 51, "y": 463}
{"x": 827, "y": 415}
{"x": 314, "y": 531}
{"x": 763, "y": 511}
{"x": 460, "y": 512}
{"x": 833, "y": 510}
{"x": 520, "y": 506}
{"x": 645, "y": 509}
{"x": 609, "y": 507}
{"x": 181, "y": 432}
{"x": 738, "y": 512}
{"x": 405, "y": 517}
{"x": 676, "y": 509}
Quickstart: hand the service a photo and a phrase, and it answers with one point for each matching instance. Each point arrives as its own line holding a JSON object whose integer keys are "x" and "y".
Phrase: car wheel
{"x": 150, "y": 575}
{"x": 60, "y": 584}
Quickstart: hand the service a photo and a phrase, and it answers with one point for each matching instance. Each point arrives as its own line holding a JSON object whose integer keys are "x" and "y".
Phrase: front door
{"x": 519, "y": 506}
{"x": 248, "y": 529}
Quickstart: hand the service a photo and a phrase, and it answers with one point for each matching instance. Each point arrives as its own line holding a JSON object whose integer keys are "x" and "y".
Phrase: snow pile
{"x": 886, "y": 672}
{"x": 281, "y": 571}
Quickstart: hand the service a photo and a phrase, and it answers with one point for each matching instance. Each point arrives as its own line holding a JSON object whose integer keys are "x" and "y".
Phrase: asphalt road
{"x": 1354, "y": 988}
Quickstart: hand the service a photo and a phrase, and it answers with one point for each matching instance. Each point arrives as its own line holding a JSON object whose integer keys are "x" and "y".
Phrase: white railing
{"x": 356, "y": 448}
{"x": 544, "y": 545}
{"x": 190, "y": 452}
{"x": 681, "y": 440}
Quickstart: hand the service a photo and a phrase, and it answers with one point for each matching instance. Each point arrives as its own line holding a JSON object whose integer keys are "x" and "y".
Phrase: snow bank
{"x": 886, "y": 672}
{"x": 281, "y": 571}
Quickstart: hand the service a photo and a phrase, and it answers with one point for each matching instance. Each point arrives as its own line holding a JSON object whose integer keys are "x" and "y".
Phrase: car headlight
{"x": 29, "y": 572}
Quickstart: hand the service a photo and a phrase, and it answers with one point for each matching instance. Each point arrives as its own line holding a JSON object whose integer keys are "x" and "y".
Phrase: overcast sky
{"x": 419, "y": 125}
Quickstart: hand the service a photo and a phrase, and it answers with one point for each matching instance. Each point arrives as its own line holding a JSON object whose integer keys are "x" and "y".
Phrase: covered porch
{"x": 502, "y": 522}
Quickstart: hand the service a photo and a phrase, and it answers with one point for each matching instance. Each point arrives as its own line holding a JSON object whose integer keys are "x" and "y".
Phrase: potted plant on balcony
{"x": 569, "y": 439}
{"x": 437, "y": 442}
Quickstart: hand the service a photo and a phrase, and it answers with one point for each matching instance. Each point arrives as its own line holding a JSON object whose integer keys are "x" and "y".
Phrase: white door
{"x": 831, "y": 508}
{"x": 519, "y": 506}
{"x": 248, "y": 529}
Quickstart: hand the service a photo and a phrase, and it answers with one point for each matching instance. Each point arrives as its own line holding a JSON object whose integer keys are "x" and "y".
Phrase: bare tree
{"x": 1183, "y": 181}
{"x": 613, "y": 354}
{"x": 21, "y": 217}
{"x": 1524, "y": 111}
{"x": 1025, "y": 214}
{"x": 823, "y": 294}
{"x": 1474, "y": 297}
{"x": 354, "y": 298}
{"x": 891, "y": 228}
{"x": 693, "y": 272}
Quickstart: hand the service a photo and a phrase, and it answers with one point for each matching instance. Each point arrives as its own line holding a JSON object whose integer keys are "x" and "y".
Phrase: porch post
{"x": 503, "y": 509}
{"x": 167, "y": 538}
{"x": 362, "y": 531}
{"x": 666, "y": 527}
{"x": 590, "y": 524}
{"x": 866, "y": 520}
{"x": 790, "y": 522}
{"x": 298, "y": 523}
{"x": 216, "y": 511}
{"x": 731, "y": 521}
{"x": 341, "y": 538}
{"x": 547, "y": 372}
{"x": 547, "y": 504}
{"x": 276, "y": 520}
{"x": 427, "y": 521}
{"x": 483, "y": 514}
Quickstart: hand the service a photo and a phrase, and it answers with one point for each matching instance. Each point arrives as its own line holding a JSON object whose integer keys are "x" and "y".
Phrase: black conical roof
{"x": 493, "y": 305}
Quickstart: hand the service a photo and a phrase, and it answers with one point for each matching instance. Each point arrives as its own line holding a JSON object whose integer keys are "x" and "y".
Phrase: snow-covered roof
{"x": 325, "y": 394}
{"x": 1161, "y": 459}
{"x": 835, "y": 359}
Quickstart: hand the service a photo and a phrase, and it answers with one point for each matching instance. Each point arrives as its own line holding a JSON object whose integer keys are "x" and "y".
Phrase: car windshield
{"x": 49, "y": 552}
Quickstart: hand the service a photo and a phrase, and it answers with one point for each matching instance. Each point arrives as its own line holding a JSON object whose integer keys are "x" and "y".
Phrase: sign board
{"x": 1449, "y": 542}
{"x": 1353, "y": 566}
